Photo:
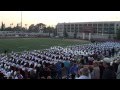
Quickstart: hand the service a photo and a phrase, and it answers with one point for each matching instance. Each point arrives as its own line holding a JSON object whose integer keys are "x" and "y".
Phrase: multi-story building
{"x": 88, "y": 30}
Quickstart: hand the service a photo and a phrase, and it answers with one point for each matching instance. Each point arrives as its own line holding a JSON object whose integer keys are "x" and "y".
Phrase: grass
{"x": 21, "y": 44}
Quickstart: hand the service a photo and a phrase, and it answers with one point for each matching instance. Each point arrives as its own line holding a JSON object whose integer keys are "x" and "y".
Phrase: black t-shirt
{"x": 82, "y": 61}
{"x": 109, "y": 74}
{"x": 115, "y": 66}
{"x": 101, "y": 70}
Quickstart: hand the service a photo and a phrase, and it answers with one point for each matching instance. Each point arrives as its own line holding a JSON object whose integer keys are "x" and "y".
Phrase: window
{"x": 76, "y": 25}
{"x": 94, "y": 24}
{"x": 106, "y": 25}
{"x": 59, "y": 30}
{"x": 100, "y": 25}
{"x": 100, "y": 31}
{"x": 106, "y": 30}
{"x": 85, "y": 25}
{"x": 68, "y": 27}
{"x": 99, "y": 28}
{"x": 72, "y": 30}
{"x": 65, "y": 25}
{"x": 95, "y": 28}
{"x": 80, "y": 24}
{"x": 80, "y": 30}
{"x": 72, "y": 25}
{"x": 111, "y": 28}
{"x": 89, "y": 24}
{"x": 68, "y": 30}
{"x": 77, "y": 30}
{"x": 111, "y": 25}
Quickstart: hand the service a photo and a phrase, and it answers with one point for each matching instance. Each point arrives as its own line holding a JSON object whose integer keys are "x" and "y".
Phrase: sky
{"x": 53, "y": 17}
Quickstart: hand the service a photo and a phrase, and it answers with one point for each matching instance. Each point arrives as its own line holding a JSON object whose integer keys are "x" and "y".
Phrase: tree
{"x": 8, "y": 29}
{"x": 2, "y": 26}
{"x": 75, "y": 34}
{"x": 55, "y": 32}
{"x": 50, "y": 30}
{"x": 36, "y": 28}
{"x": 65, "y": 34}
{"x": 18, "y": 28}
{"x": 109, "y": 36}
{"x": 40, "y": 26}
{"x": 118, "y": 34}
{"x": 31, "y": 27}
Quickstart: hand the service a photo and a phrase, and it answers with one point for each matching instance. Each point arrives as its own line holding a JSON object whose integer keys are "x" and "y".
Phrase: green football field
{"x": 21, "y": 44}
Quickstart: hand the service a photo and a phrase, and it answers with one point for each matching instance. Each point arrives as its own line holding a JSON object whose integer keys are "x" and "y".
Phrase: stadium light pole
{"x": 26, "y": 26}
{"x": 21, "y": 19}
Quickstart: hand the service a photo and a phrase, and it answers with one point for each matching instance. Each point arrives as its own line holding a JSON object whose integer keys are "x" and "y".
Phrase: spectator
{"x": 115, "y": 65}
{"x": 32, "y": 74}
{"x": 18, "y": 75}
{"x": 101, "y": 69}
{"x": 64, "y": 72}
{"x": 53, "y": 72}
{"x": 96, "y": 71}
{"x": 118, "y": 70}
{"x": 59, "y": 70}
{"x": 49, "y": 77}
{"x": 108, "y": 73}
{"x": 84, "y": 73}
{"x": 74, "y": 70}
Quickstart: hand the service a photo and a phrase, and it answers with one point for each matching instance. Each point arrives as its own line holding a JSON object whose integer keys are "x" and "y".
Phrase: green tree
{"x": 2, "y": 27}
{"x": 50, "y": 30}
{"x": 118, "y": 34}
{"x": 65, "y": 34}
{"x": 31, "y": 28}
{"x": 8, "y": 29}
{"x": 37, "y": 27}
{"x": 40, "y": 26}
{"x": 55, "y": 32}
{"x": 75, "y": 34}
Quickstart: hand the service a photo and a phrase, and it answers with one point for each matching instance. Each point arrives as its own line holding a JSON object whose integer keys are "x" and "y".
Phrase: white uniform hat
{"x": 23, "y": 69}
{"x": 8, "y": 67}
{"x": 107, "y": 60}
{"x": 15, "y": 73}
{"x": 39, "y": 65}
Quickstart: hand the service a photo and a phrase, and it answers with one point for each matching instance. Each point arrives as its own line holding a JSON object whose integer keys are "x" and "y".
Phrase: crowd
{"x": 88, "y": 61}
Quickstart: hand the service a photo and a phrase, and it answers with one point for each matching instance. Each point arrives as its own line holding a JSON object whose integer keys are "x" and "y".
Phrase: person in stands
{"x": 118, "y": 70}
{"x": 84, "y": 73}
{"x": 101, "y": 68}
{"x": 96, "y": 71}
{"x": 18, "y": 75}
{"x": 64, "y": 71}
{"x": 108, "y": 73}
{"x": 74, "y": 70}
